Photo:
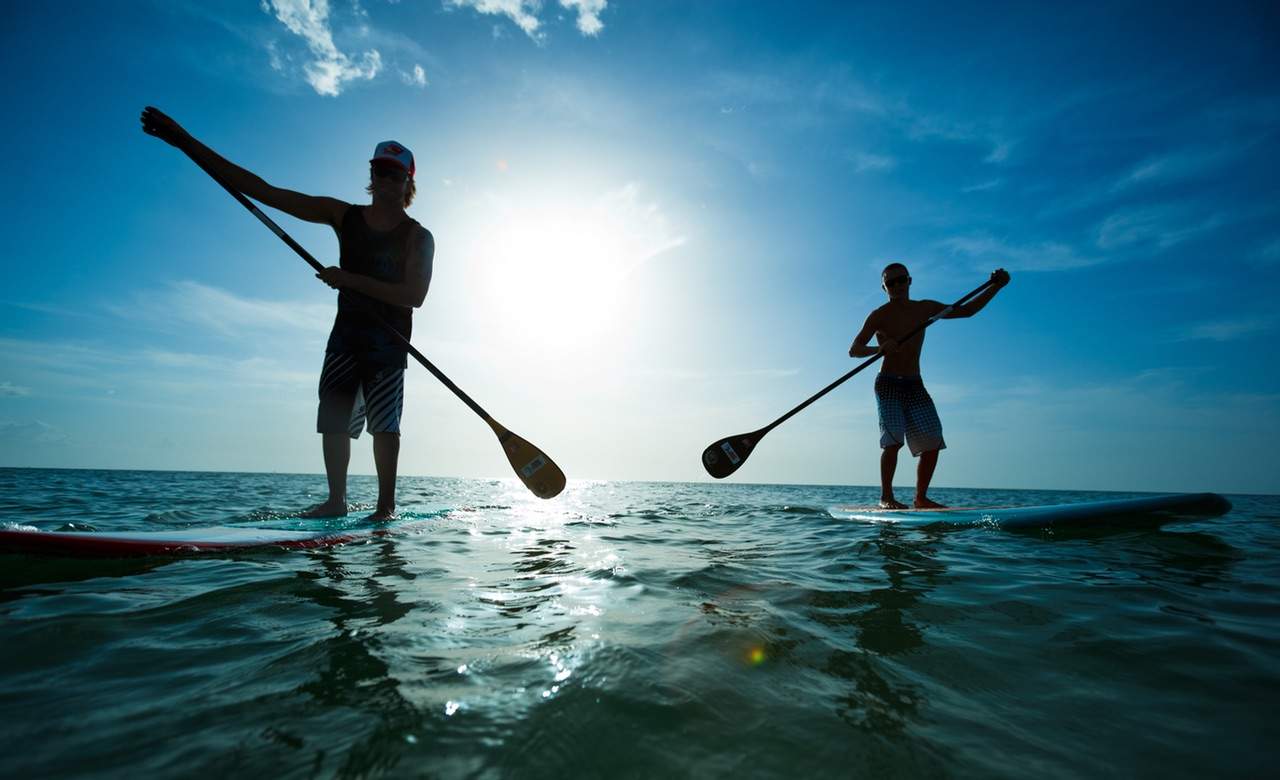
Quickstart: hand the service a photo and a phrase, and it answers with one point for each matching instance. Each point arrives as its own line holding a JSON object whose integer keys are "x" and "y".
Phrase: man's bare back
{"x": 896, "y": 319}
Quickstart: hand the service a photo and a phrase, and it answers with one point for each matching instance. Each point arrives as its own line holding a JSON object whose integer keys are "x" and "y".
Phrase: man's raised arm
{"x": 1000, "y": 277}
{"x": 327, "y": 211}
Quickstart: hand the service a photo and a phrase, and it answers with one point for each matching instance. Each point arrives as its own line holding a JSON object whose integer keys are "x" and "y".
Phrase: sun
{"x": 558, "y": 274}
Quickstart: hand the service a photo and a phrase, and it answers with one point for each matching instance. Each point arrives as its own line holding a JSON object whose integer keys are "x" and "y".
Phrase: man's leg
{"x": 924, "y": 475}
{"x": 888, "y": 465}
{"x": 337, "y": 422}
{"x": 337, "y": 454}
{"x": 386, "y": 457}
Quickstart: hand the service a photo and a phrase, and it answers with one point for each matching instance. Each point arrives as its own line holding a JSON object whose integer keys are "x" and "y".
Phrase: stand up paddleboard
{"x": 191, "y": 541}
{"x": 1153, "y": 510}
{"x": 26, "y": 539}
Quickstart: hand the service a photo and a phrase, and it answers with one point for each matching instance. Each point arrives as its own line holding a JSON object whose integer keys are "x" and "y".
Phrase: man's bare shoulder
{"x": 880, "y": 311}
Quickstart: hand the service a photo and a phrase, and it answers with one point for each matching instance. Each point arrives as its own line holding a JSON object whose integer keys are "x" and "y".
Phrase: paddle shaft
{"x": 871, "y": 360}
{"x": 357, "y": 298}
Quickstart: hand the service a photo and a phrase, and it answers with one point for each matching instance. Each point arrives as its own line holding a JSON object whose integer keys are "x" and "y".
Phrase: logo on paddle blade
{"x": 532, "y": 466}
{"x": 728, "y": 450}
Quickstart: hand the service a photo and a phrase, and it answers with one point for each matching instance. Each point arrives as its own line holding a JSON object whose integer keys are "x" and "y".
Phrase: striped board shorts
{"x": 353, "y": 392}
{"x": 907, "y": 414}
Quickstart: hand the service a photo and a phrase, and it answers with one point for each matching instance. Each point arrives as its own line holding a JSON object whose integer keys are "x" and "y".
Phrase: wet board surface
{"x": 1147, "y": 510}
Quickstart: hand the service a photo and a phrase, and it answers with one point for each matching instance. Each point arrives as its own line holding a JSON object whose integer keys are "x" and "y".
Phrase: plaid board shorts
{"x": 354, "y": 391}
{"x": 907, "y": 414}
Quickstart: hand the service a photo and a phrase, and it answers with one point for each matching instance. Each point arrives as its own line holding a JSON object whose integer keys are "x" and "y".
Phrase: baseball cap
{"x": 391, "y": 151}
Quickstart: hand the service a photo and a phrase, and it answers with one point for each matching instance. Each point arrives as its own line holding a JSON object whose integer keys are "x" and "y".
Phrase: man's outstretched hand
{"x": 1000, "y": 277}
{"x": 161, "y": 125}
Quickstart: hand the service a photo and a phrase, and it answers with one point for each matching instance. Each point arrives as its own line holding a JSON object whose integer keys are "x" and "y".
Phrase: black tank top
{"x": 380, "y": 255}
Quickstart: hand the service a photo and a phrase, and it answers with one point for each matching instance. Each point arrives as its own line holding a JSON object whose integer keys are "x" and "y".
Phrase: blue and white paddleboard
{"x": 293, "y": 534}
{"x": 1150, "y": 510}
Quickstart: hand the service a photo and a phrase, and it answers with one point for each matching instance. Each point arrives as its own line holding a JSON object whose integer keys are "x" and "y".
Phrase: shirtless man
{"x": 385, "y": 260}
{"x": 906, "y": 411}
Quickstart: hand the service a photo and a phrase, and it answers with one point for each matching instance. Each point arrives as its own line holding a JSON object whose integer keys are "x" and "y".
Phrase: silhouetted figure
{"x": 907, "y": 413}
{"x": 385, "y": 260}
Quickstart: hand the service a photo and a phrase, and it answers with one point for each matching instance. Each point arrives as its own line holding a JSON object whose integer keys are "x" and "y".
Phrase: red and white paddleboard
{"x": 193, "y": 541}
{"x": 26, "y": 539}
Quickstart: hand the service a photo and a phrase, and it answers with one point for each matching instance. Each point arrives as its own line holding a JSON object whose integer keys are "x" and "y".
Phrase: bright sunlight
{"x": 558, "y": 271}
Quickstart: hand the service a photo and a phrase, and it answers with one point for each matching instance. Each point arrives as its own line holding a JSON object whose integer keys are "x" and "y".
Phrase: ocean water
{"x": 647, "y": 630}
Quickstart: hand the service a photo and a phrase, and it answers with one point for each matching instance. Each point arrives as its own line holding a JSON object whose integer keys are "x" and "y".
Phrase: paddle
{"x": 533, "y": 466}
{"x": 727, "y": 455}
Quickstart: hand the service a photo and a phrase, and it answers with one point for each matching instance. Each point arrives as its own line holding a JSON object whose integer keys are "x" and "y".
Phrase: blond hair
{"x": 409, "y": 191}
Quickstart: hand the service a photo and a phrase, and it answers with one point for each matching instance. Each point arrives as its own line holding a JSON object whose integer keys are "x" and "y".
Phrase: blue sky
{"x": 657, "y": 224}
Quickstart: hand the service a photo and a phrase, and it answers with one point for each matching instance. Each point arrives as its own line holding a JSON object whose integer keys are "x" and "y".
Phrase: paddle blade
{"x": 533, "y": 466}
{"x": 725, "y": 456}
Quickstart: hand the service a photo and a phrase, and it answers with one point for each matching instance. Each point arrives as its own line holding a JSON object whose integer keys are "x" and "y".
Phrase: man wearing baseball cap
{"x": 385, "y": 258}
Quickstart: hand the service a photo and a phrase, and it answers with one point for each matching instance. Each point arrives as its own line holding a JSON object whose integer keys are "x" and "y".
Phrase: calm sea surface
{"x": 655, "y": 630}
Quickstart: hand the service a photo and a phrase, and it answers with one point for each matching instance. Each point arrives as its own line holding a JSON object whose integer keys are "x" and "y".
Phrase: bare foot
{"x": 382, "y": 514}
{"x": 327, "y": 509}
{"x": 891, "y": 503}
{"x": 925, "y": 503}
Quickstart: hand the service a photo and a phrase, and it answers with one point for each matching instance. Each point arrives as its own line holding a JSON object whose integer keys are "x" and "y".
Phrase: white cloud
{"x": 588, "y": 14}
{"x": 524, "y": 13}
{"x": 418, "y": 78}
{"x": 330, "y": 69}
{"x": 1042, "y": 256}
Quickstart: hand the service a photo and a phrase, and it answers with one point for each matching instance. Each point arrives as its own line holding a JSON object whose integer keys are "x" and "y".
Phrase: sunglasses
{"x": 390, "y": 172}
{"x": 897, "y": 280}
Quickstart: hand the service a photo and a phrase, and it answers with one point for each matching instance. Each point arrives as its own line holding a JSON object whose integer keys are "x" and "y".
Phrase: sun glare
{"x": 559, "y": 273}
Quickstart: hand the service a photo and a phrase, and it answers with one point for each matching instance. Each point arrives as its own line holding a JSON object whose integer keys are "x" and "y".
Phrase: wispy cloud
{"x": 330, "y": 69}
{"x": 525, "y": 13}
{"x": 984, "y": 186}
{"x": 30, "y": 432}
{"x": 1183, "y": 164}
{"x": 1270, "y": 253}
{"x": 717, "y": 375}
{"x": 802, "y": 97}
{"x": 864, "y": 161}
{"x": 1042, "y": 256}
{"x": 1229, "y": 329}
{"x": 11, "y": 390}
{"x": 222, "y": 312}
{"x": 136, "y": 375}
{"x": 924, "y": 125}
{"x": 648, "y": 232}
{"x": 1158, "y": 227}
